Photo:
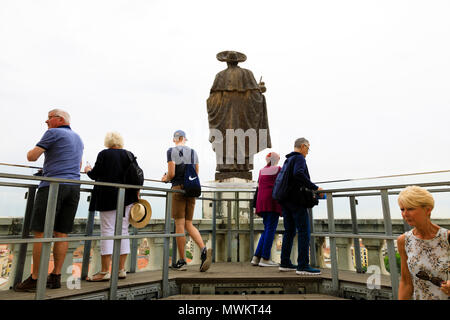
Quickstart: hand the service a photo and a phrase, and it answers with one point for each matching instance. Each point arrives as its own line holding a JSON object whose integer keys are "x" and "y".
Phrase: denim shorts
{"x": 66, "y": 208}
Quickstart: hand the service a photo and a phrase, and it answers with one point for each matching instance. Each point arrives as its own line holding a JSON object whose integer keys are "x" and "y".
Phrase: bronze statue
{"x": 237, "y": 116}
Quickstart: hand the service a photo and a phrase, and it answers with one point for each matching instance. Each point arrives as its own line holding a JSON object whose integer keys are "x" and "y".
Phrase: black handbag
{"x": 307, "y": 198}
{"x": 255, "y": 196}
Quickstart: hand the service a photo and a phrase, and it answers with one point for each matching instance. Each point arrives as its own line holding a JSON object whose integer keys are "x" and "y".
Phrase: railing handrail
{"x": 319, "y": 182}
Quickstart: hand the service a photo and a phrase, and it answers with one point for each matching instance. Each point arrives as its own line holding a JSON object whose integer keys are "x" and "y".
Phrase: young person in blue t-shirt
{"x": 182, "y": 206}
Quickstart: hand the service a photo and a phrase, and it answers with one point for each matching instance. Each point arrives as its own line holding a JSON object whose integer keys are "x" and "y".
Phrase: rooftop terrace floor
{"x": 239, "y": 273}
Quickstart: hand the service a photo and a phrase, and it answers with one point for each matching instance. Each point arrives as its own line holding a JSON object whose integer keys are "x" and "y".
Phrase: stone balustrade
{"x": 240, "y": 243}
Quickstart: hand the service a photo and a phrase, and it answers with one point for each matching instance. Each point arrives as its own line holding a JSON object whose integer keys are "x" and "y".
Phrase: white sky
{"x": 367, "y": 82}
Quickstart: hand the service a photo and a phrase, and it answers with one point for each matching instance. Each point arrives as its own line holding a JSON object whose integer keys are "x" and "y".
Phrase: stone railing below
{"x": 150, "y": 250}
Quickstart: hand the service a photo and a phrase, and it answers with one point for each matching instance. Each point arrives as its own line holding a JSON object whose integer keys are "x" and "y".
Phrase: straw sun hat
{"x": 140, "y": 213}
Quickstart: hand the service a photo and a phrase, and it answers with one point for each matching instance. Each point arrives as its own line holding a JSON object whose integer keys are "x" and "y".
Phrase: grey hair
{"x": 61, "y": 113}
{"x": 298, "y": 143}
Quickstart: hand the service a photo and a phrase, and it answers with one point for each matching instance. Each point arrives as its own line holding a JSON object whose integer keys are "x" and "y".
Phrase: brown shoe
{"x": 29, "y": 285}
{"x": 54, "y": 281}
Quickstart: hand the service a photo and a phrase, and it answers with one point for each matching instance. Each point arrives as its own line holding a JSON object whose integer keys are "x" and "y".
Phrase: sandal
{"x": 106, "y": 277}
{"x": 122, "y": 274}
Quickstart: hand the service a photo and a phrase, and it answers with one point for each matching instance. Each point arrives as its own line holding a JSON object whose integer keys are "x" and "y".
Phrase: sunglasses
{"x": 434, "y": 280}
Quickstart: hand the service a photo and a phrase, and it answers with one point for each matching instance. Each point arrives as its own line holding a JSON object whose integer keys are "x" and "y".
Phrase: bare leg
{"x": 59, "y": 252}
{"x": 122, "y": 260}
{"x": 37, "y": 248}
{"x": 194, "y": 234}
{"x": 106, "y": 262}
{"x": 181, "y": 241}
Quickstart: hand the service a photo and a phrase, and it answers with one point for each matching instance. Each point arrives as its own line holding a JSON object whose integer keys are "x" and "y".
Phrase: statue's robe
{"x": 236, "y": 102}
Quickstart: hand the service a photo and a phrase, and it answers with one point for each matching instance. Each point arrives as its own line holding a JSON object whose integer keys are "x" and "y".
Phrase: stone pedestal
{"x": 222, "y": 206}
{"x": 223, "y": 176}
{"x": 244, "y": 248}
{"x": 155, "y": 260}
{"x": 320, "y": 258}
{"x": 344, "y": 253}
{"x": 221, "y": 248}
{"x": 375, "y": 254}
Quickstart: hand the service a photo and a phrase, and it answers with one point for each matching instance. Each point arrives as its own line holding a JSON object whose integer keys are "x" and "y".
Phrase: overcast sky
{"x": 367, "y": 82}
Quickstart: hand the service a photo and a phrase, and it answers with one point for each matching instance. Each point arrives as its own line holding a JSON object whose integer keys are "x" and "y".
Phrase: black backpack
{"x": 281, "y": 189}
{"x": 192, "y": 187}
{"x": 133, "y": 174}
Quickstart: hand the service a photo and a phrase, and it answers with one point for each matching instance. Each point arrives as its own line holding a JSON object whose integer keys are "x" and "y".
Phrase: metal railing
{"x": 47, "y": 239}
{"x": 351, "y": 193}
{"x": 383, "y": 192}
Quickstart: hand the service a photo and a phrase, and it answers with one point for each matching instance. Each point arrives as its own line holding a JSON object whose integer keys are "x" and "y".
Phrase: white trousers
{"x": 107, "y": 227}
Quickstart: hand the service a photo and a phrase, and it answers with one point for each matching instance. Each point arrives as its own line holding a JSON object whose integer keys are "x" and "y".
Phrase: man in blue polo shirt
{"x": 63, "y": 150}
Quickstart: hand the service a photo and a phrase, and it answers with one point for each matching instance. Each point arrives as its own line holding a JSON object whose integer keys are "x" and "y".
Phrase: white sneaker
{"x": 267, "y": 263}
{"x": 255, "y": 261}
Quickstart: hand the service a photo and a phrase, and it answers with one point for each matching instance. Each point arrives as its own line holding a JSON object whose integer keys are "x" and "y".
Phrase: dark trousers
{"x": 270, "y": 220}
{"x": 295, "y": 220}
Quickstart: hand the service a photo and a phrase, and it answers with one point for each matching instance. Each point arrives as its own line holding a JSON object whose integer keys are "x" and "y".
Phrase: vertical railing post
{"x": 236, "y": 214}
{"x": 214, "y": 229}
{"x": 87, "y": 245}
{"x": 252, "y": 231}
{"x": 229, "y": 233}
{"x": 356, "y": 247}
{"x": 134, "y": 249}
{"x": 174, "y": 245}
{"x": 312, "y": 241}
{"x": 333, "y": 250}
{"x": 46, "y": 247}
{"x": 390, "y": 243}
{"x": 165, "y": 267}
{"x": 25, "y": 232}
{"x": 116, "y": 249}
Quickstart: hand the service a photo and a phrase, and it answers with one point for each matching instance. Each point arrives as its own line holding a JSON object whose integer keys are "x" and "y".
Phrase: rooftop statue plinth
{"x": 237, "y": 116}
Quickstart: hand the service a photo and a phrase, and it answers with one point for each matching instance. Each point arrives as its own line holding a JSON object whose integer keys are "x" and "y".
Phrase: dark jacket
{"x": 110, "y": 166}
{"x": 299, "y": 177}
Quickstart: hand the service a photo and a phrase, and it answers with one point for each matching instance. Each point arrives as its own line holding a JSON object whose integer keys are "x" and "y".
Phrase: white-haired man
{"x": 63, "y": 150}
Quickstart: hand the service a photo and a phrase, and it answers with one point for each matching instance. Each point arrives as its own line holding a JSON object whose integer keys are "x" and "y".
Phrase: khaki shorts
{"x": 182, "y": 207}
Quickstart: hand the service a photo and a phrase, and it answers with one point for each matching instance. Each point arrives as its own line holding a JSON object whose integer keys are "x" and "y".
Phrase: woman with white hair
{"x": 110, "y": 166}
{"x": 424, "y": 250}
{"x": 269, "y": 209}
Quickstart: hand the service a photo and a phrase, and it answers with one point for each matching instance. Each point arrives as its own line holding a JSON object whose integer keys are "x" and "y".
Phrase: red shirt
{"x": 266, "y": 181}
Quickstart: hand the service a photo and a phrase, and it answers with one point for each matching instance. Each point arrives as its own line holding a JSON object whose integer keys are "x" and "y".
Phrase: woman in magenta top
{"x": 267, "y": 208}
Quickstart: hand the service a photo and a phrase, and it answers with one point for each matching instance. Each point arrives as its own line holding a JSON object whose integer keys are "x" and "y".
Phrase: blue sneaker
{"x": 308, "y": 271}
{"x": 291, "y": 267}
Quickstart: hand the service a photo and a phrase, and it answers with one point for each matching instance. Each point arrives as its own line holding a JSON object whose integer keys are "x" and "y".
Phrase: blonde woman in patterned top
{"x": 424, "y": 250}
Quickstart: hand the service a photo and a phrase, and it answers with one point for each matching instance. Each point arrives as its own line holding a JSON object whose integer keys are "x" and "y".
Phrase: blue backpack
{"x": 192, "y": 186}
{"x": 281, "y": 188}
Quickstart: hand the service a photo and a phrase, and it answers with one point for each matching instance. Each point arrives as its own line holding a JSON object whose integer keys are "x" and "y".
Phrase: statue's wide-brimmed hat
{"x": 140, "y": 213}
{"x": 231, "y": 56}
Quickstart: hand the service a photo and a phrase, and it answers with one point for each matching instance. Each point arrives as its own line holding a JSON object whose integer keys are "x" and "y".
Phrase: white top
{"x": 431, "y": 256}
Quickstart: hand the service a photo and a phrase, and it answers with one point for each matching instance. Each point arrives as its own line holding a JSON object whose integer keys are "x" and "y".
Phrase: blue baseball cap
{"x": 178, "y": 134}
